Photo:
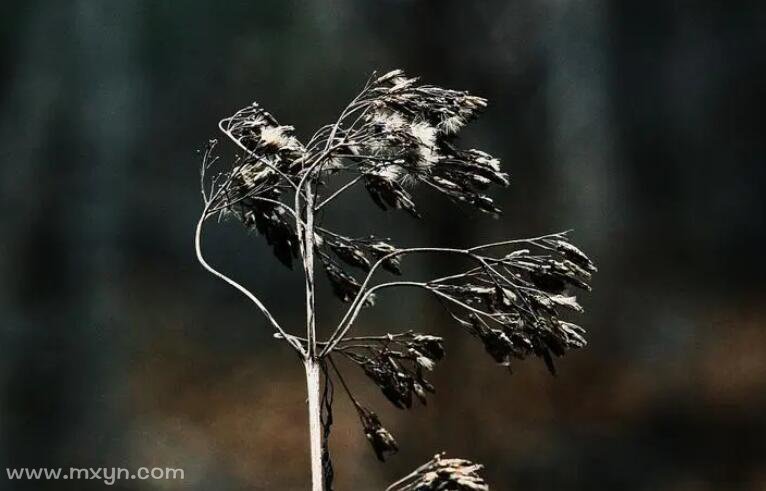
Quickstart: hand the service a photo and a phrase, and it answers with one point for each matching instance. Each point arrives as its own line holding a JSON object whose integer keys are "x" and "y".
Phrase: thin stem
{"x": 204, "y": 167}
{"x": 306, "y": 233}
{"x": 386, "y": 337}
{"x": 242, "y": 289}
{"x": 403, "y": 480}
{"x": 308, "y": 263}
{"x": 315, "y": 422}
{"x": 356, "y": 404}
{"x": 517, "y": 241}
{"x": 338, "y": 192}
{"x": 357, "y": 306}
{"x": 408, "y": 477}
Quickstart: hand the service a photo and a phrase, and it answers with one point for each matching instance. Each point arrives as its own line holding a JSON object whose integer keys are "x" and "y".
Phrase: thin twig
{"x": 245, "y": 291}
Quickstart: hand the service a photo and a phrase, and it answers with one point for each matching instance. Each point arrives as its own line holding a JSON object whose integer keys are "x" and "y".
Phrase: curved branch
{"x": 330, "y": 345}
{"x": 346, "y": 321}
{"x": 532, "y": 240}
{"x": 424, "y": 286}
{"x": 350, "y": 109}
{"x": 204, "y": 167}
{"x": 198, "y": 248}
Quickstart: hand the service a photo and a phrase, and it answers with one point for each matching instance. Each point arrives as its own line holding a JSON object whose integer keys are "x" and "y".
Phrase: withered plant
{"x": 396, "y": 135}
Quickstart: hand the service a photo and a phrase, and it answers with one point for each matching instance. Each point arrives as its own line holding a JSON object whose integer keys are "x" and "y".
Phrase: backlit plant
{"x": 395, "y": 136}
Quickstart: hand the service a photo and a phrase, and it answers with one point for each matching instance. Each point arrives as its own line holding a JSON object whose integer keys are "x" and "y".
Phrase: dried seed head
{"x": 380, "y": 249}
{"x": 406, "y": 140}
{"x": 349, "y": 252}
{"x": 516, "y": 306}
{"x": 381, "y": 440}
{"x": 387, "y": 192}
{"x": 264, "y": 137}
{"x": 574, "y": 254}
{"x": 396, "y": 364}
{"x": 572, "y": 333}
{"x": 451, "y": 124}
{"x": 442, "y": 474}
{"x": 425, "y": 362}
{"x": 271, "y": 222}
{"x": 403, "y": 135}
{"x": 344, "y": 286}
{"x": 279, "y": 138}
{"x": 356, "y": 252}
{"x": 395, "y": 383}
{"x": 430, "y": 346}
{"x": 425, "y": 134}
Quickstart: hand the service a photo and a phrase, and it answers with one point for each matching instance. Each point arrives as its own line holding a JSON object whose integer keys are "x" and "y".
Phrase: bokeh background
{"x": 638, "y": 124}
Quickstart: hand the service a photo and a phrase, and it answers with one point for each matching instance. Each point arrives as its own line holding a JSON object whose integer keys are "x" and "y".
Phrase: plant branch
{"x": 338, "y": 192}
{"x": 363, "y": 293}
{"x": 198, "y": 248}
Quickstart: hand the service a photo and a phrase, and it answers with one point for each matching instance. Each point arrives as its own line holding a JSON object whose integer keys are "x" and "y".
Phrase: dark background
{"x": 638, "y": 124}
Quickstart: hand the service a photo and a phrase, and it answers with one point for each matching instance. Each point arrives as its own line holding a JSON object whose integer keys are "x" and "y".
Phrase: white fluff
{"x": 390, "y": 172}
{"x": 277, "y": 136}
{"x": 426, "y": 136}
{"x": 392, "y": 121}
{"x": 451, "y": 125}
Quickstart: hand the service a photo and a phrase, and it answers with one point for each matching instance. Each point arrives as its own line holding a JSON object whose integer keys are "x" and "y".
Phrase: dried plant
{"x": 440, "y": 474}
{"x": 396, "y": 135}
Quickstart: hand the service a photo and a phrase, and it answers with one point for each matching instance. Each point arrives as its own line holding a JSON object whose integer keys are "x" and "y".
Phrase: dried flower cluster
{"x": 407, "y": 139}
{"x": 395, "y": 136}
{"x": 403, "y": 135}
{"x": 359, "y": 253}
{"x": 516, "y": 304}
{"x": 441, "y": 474}
{"x": 383, "y": 442}
{"x": 397, "y": 364}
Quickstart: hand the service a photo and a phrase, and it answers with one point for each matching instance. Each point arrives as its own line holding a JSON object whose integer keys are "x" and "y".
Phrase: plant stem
{"x": 242, "y": 289}
{"x": 308, "y": 264}
{"x": 311, "y": 362}
{"x": 315, "y": 424}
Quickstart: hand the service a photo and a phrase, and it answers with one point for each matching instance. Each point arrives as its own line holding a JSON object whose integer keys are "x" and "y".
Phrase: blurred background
{"x": 639, "y": 125}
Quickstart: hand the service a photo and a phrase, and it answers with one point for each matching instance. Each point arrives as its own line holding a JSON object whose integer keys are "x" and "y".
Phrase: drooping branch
{"x": 382, "y": 441}
{"x": 513, "y": 303}
{"x": 200, "y": 257}
{"x": 364, "y": 291}
{"x": 217, "y": 191}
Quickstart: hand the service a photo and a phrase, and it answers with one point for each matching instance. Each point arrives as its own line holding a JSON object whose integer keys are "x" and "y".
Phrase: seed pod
{"x": 382, "y": 442}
